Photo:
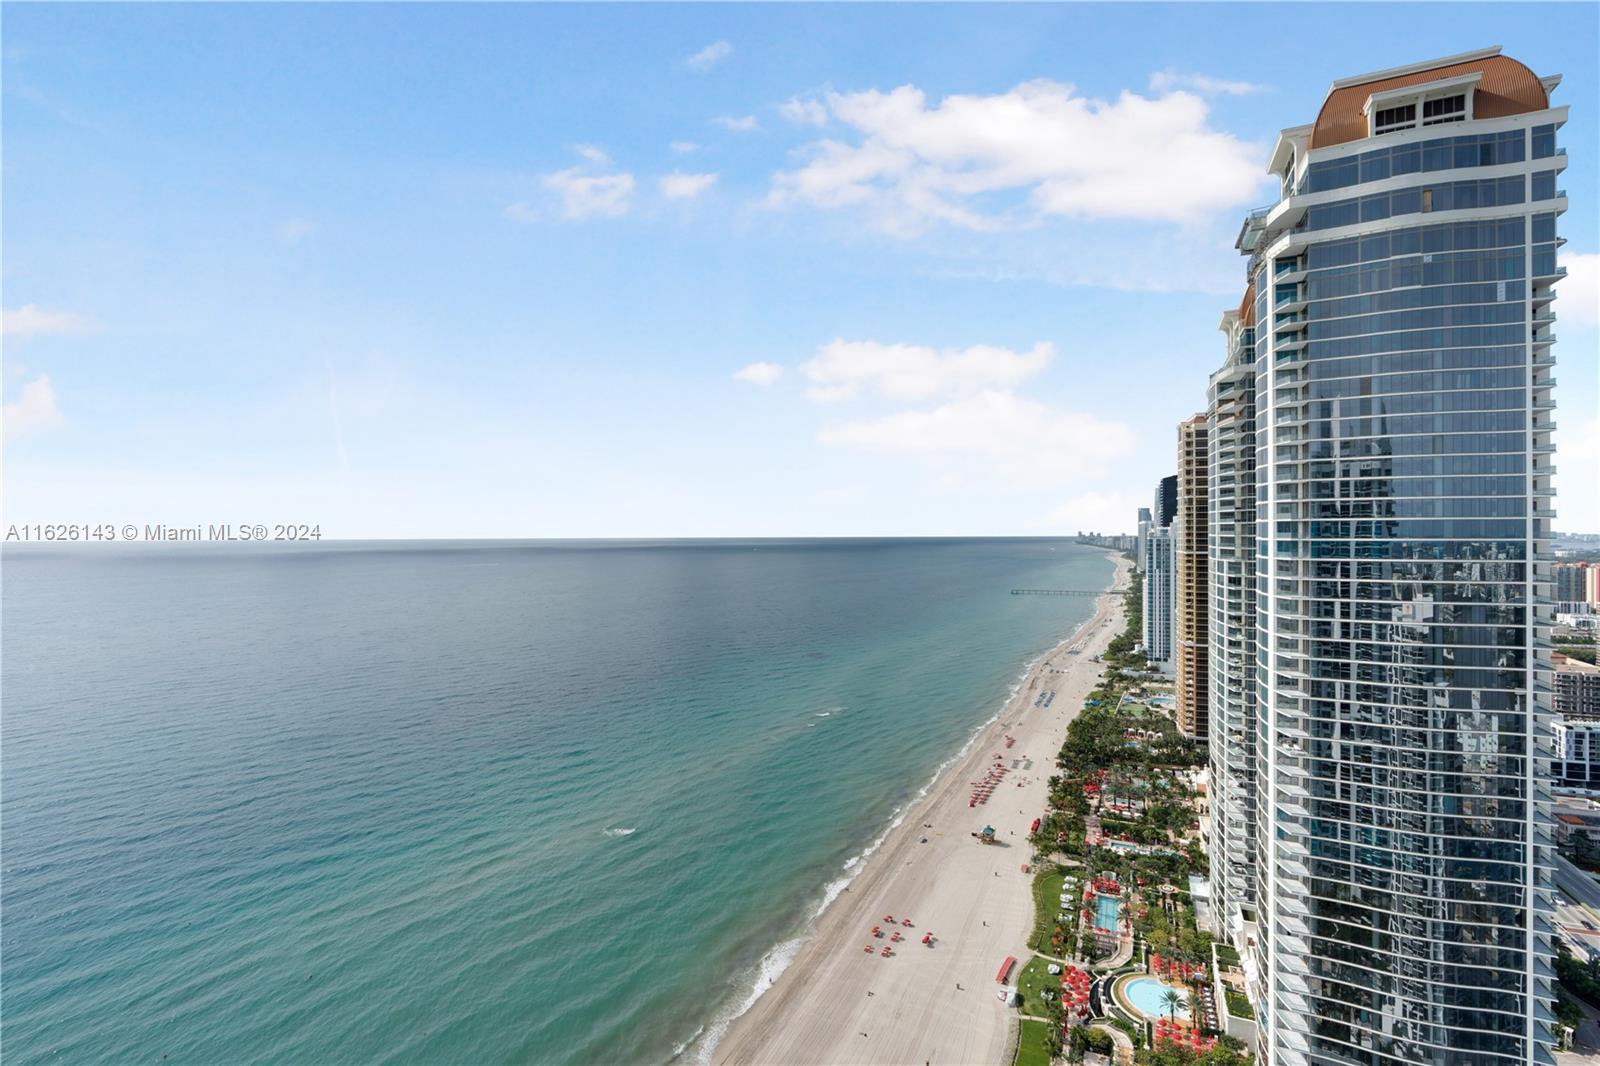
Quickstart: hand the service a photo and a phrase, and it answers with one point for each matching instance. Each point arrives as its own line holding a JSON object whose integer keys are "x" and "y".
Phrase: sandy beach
{"x": 838, "y": 1004}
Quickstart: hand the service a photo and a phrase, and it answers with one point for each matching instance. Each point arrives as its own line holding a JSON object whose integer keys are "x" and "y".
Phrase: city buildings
{"x": 1577, "y": 688}
{"x": 1401, "y": 307}
{"x": 1572, "y": 585}
{"x": 1121, "y": 542}
{"x": 1577, "y": 763}
{"x": 1191, "y": 589}
{"x": 1577, "y": 583}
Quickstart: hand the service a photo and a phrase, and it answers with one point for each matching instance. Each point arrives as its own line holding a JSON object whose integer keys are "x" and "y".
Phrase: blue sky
{"x": 666, "y": 270}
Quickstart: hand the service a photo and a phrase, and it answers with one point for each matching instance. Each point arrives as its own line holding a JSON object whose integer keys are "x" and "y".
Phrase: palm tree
{"x": 1171, "y": 999}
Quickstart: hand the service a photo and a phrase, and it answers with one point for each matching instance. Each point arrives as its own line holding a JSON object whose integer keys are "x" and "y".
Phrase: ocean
{"x": 482, "y": 802}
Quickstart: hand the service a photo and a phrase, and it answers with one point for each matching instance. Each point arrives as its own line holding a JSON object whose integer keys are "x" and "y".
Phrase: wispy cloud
{"x": 759, "y": 373}
{"x": 295, "y": 230}
{"x": 710, "y": 55}
{"x": 591, "y": 195}
{"x": 960, "y": 406}
{"x": 804, "y": 111}
{"x": 1015, "y": 436}
{"x": 31, "y": 320}
{"x": 1579, "y": 291}
{"x": 1164, "y": 81}
{"x": 34, "y": 410}
{"x": 583, "y": 191}
{"x": 1040, "y": 150}
{"x": 1097, "y": 511}
{"x": 676, "y": 186}
{"x": 738, "y": 123}
{"x": 684, "y": 147}
{"x": 842, "y": 369}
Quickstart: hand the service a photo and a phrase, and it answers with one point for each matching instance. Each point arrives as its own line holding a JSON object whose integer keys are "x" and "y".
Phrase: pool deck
{"x": 1119, "y": 993}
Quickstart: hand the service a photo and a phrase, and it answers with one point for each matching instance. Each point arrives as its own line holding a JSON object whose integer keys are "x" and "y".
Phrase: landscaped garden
{"x": 1033, "y": 1045}
{"x": 1123, "y": 824}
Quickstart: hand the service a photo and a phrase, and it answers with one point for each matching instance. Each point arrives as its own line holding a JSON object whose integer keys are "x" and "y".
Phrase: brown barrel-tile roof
{"x": 1508, "y": 88}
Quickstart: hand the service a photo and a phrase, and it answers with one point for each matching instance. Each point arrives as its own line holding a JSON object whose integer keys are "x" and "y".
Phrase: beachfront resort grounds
{"x": 1122, "y": 968}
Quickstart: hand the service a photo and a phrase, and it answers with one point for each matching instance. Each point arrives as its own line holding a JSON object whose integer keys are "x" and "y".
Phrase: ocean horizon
{"x": 488, "y": 801}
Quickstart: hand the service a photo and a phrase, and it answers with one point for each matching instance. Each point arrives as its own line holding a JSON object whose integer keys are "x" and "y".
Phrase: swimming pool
{"x": 1162, "y": 701}
{"x": 1144, "y": 995}
{"x": 1106, "y": 910}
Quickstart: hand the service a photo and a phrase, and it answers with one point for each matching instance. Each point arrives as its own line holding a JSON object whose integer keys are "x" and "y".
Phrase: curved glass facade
{"x": 1231, "y": 471}
{"x": 1402, "y": 409}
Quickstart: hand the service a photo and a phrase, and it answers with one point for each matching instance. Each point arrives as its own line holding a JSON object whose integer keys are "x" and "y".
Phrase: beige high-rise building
{"x": 1190, "y": 622}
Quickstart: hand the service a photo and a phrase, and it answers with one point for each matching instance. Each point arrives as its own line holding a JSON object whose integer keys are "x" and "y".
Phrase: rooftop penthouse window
{"x": 1444, "y": 109}
{"x": 1409, "y": 107}
{"x": 1390, "y": 119}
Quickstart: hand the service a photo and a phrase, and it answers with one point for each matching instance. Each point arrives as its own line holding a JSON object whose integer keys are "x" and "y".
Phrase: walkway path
{"x": 1123, "y": 956}
{"x": 1124, "y": 1056}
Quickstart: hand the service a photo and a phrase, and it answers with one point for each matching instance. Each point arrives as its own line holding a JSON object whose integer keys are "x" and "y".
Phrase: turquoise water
{"x": 1106, "y": 909}
{"x": 1145, "y": 994}
{"x": 494, "y": 803}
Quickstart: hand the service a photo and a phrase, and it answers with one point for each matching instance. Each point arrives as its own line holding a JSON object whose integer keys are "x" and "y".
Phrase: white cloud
{"x": 1040, "y": 149}
{"x": 294, "y": 230}
{"x": 1098, "y": 512}
{"x": 31, "y": 320}
{"x": 710, "y": 55}
{"x": 684, "y": 147}
{"x": 841, "y": 369}
{"x": 1167, "y": 80}
{"x": 35, "y": 409}
{"x": 1023, "y": 438}
{"x": 1577, "y": 474}
{"x": 591, "y": 195}
{"x": 759, "y": 373}
{"x": 806, "y": 111}
{"x": 1579, "y": 292}
{"x": 738, "y": 124}
{"x": 583, "y": 191}
{"x": 676, "y": 186}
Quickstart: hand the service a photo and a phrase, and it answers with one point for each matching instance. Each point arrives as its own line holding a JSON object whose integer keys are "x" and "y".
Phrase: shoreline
{"x": 930, "y": 862}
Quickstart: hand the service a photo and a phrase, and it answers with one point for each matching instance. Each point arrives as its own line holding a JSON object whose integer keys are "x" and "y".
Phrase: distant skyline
{"x": 716, "y": 270}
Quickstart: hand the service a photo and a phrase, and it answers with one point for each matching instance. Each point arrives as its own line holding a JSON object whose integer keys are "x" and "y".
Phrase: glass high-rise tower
{"x": 1402, "y": 290}
{"x": 1231, "y": 544}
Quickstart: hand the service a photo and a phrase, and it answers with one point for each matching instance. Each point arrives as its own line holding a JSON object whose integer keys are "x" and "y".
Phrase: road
{"x": 1577, "y": 885}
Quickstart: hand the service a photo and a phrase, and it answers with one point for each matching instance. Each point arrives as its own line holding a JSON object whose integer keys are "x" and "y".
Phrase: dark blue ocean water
{"x": 478, "y": 803}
